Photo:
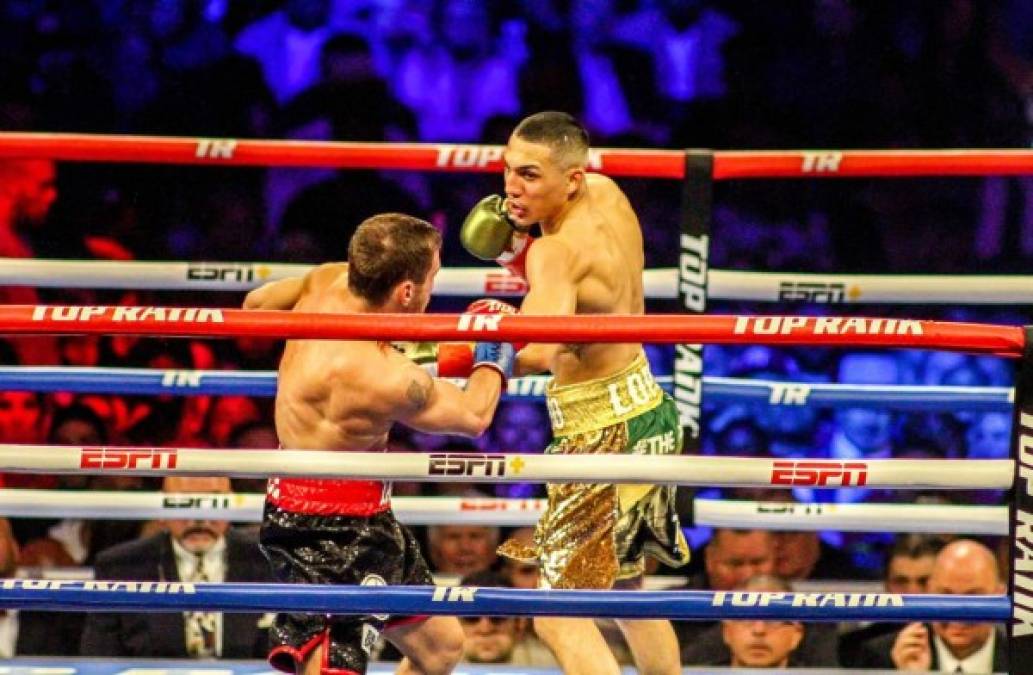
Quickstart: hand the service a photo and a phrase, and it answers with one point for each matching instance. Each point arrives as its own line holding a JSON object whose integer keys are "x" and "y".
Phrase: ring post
{"x": 694, "y": 247}
{"x": 694, "y": 253}
{"x": 1020, "y": 632}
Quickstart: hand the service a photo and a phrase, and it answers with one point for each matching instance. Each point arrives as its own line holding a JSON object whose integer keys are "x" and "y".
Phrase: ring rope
{"x": 657, "y": 328}
{"x": 962, "y": 519}
{"x": 144, "y": 381}
{"x": 641, "y": 163}
{"x": 659, "y": 283}
{"x": 163, "y": 596}
{"x": 905, "y": 474}
{"x": 930, "y": 518}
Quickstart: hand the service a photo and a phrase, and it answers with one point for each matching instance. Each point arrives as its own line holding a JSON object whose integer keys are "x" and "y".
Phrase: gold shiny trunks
{"x": 592, "y": 535}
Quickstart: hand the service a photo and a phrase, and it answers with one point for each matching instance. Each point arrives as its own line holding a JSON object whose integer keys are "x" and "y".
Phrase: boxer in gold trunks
{"x": 603, "y": 398}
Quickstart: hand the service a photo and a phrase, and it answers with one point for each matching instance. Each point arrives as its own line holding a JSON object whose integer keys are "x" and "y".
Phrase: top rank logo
{"x": 789, "y": 325}
{"x": 126, "y": 314}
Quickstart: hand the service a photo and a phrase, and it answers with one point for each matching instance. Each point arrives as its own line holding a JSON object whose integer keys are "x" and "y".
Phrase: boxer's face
{"x": 537, "y": 187}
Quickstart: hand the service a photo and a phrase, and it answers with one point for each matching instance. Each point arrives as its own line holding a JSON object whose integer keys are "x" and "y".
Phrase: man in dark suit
{"x": 963, "y": 567}
{"x": 190, "y": 550}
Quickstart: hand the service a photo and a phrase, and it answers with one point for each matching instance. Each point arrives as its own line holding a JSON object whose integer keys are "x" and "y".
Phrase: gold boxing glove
{"x": 487, "y": 231}
{"x": 489, "y": 234}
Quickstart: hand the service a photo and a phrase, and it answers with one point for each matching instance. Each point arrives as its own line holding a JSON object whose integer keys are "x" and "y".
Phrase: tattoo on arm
{"x": 419, "y": 393}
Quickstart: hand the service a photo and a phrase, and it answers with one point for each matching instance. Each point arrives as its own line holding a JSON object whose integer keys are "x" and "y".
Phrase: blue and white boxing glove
{"x": 498, "y": 355}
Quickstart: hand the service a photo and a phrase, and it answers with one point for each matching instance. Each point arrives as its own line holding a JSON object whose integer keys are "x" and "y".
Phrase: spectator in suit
{"x": 909, "y": 565}
{"x": 763, "y": 644}
{"x": 27, "y": 633}
{"x": 963, "y": 567}
{"x": 189, "y": 550}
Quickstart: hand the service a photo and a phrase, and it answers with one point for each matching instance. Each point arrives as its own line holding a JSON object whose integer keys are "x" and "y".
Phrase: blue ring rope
{"x": 155, "y": 596}
{"x": 715, "y": 389}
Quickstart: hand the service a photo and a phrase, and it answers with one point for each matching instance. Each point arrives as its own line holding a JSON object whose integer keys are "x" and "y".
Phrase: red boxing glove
{"x": 516, "y": 260}
{"x": 455, "y": 359}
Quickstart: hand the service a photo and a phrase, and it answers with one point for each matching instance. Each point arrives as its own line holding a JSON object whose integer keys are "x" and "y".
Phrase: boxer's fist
{"x": 492, "y": 306}
{"x": 498, "y": 355}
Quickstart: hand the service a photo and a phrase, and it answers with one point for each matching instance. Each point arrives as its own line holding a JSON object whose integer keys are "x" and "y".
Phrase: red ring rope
{"x": 487, "y": 158}
{"x": 656, "y": 328}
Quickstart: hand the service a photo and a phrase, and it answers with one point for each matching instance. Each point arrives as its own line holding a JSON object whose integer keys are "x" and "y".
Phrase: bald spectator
{"x": 462, "y": 549}
{"x": 963, "y": 567}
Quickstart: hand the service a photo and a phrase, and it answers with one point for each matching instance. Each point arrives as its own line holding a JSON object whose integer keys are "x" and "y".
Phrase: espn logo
{"x": 133, "y": 458}
{"x": 795, "y": 291}
{"x": 466, "y": 465}
{"x": 819, "y": 474}
{"x": 185, "y": 502}
{"x": 225, "y": 272}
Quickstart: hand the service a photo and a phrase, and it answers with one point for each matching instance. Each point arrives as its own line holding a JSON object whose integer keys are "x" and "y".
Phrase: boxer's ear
{"x": 406, "y": 293}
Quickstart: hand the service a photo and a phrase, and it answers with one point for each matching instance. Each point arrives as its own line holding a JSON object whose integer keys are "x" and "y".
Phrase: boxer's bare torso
{"x": 592, "y": 259}
{"x": 346, "y": 394}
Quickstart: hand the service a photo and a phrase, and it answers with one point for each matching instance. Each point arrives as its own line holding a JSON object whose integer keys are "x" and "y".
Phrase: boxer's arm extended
{"x": 284, "y": 293}
{"x": 437, "y": 406}
{"x": 552, "y": 291}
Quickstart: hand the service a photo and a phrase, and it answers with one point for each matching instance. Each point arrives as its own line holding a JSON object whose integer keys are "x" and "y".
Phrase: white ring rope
{"x": 930, "y": 518}
{"x": 904, "y": 474}
{"x": 963, "y": 519}
{"x": 476, "y": 281}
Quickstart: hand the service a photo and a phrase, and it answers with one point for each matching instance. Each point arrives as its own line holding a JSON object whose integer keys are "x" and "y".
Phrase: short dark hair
{"x": 910, "y": 545}
{"x": 565, "y": 136}
{"x": 387, "y": 249}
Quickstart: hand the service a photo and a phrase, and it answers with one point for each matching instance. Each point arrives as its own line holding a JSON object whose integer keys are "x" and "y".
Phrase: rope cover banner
{"x": 661, "y": 283}
{"x": 488, "y": 158}
{"x": 657, "y": 328}
{"x": 701, "y": 471}
{"x": 90, "y": 380}
{"x": 164, "y": 596}
{"x": 100, "y": 504}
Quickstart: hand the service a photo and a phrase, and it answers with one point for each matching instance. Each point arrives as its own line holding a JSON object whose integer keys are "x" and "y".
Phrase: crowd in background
{"x": 645, "y": 73}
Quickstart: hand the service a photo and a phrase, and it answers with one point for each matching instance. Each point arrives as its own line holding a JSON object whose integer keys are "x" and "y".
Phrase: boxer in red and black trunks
{"x": 346, "y": 395}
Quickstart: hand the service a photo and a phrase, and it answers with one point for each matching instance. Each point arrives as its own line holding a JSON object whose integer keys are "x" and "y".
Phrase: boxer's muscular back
{"x": 331, "y": 393}
{"x": 607, "y": 238}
